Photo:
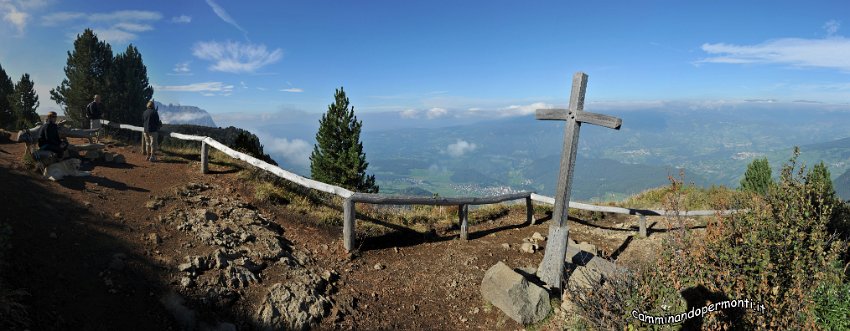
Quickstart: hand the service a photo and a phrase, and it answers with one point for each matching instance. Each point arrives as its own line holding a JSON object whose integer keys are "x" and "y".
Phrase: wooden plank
{"x": 633, "y": 211}
{"x": 306, "y": 182}
{"x": 551, "y": 269}
{"x": 599, "y": 119}
{"x": 463, "y": 216}
{"x": 380, "y": 199}
{"x": 553, "y": 114}
{"x": 529, "y": 210}
{"x": 348, "y": 224}
{"x": 205, "y": 155}
{"x": 642, "y": 226}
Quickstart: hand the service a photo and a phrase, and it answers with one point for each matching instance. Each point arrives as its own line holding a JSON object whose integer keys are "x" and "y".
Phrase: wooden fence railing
{"x": 352, "y": 197}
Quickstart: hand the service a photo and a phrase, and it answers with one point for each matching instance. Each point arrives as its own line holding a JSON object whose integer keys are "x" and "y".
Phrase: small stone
{"x": 53, "y": 235}
{"x": 324, "y": 247}
{"x": 187, "y": 282}
{"x": 395, "y": 249}
{"x": 453, "y": 284}
{"x": 506, "y": 246}
{"x": 528, "y": 248}
{"x": 87, "y": 204}
{"x": 118, "y": 215}
{"x": 538, "y": 237}
{"x": 463, "y": 319}
{"x": 379, "y": 266}
{"x": 154, "y": 238}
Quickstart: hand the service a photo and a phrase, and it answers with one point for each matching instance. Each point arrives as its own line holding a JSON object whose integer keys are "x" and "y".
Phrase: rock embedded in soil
{"x": 522, "y": 301}
{"x": 294, "y": 305}
{"x": 529, "y": 248}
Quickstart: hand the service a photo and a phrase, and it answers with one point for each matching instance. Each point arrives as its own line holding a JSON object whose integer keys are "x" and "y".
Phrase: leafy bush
{"x": 832, "y": 306}
{"x": 776, "y": 254}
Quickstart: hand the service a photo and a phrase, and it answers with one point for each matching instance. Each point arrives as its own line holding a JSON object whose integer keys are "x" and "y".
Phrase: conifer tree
{"x": 130, "y": 89}
{"x": 24, "y": 102}
{"x": 820, "y": 181}
{"x": 338, "y": 156}
{"x": 758, "y": 177}
{"x": 86, "y": 74}
{"x": 6, "y": 90}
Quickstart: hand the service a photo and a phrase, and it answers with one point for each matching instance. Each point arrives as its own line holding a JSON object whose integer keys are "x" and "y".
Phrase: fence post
{"x": 205, "y": 156}
{"x": 529, "y": 211}
{"x": 462, "y": 213}
{"x": 348, "y": 224}
{"x": 642, "y": 225}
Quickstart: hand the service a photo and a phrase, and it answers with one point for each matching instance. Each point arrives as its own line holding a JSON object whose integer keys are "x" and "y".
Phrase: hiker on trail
{"x": 151, "y": 126}
{"x": 48, "y": 137}
{"x": 94, "y": 112}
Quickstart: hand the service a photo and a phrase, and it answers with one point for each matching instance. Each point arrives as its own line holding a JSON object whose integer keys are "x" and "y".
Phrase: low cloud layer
{"x": 460, "y": 148}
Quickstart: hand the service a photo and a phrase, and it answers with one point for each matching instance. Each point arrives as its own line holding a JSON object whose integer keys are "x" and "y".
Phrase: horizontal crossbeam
{"x": 583, "y": 117}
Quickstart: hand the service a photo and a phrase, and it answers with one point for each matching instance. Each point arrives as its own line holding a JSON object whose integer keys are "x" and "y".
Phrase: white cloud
{"x": 522, "y": 110}
{"x": 17, "y": 18}
{"x": 435, "y": 113}
{"x": 460, "y": 147}
{"x": 295, "y": 151}
{"x": 828, "y": 53}
{"x": 118, "y": 26}
{"x": 113, "y": 35}
{"x": 243, "y": 84}
{"x": 206, "y": 88}
{"x": 235, "y": 57}
{"x": 293, "y": 90}
{"x": 224, "y": 16}
{"x": 181, "y": 19}
{"x": 132, "y": 27}
{"x": 59, "y": 18}
{"x": 182, "y": 68}
{"x": 831, "y": 27}
{"x": 125, "y": 16}
{"x": 409, "y": 113}
{"x": 17, "y": 13}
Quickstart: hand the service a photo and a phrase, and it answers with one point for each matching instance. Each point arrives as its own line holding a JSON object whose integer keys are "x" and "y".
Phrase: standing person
{"x": 94, "y": 111}
{"x": 151, "y": 126}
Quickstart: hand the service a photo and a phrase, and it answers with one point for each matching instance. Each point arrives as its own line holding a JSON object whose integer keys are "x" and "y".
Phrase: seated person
{"x": 48, "y": 138}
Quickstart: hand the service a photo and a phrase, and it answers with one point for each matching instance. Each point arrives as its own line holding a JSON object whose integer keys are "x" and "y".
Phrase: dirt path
{"x": 82, "y": 247}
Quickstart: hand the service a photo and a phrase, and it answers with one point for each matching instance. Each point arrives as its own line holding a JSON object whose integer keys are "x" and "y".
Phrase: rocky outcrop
{"x": 233, "y": 244}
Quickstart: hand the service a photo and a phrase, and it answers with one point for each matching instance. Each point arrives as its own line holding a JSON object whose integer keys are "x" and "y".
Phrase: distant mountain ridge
{"x": 180, "y": 114}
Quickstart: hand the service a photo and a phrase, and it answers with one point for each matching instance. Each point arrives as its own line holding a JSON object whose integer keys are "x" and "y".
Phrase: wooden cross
{"x": 551, "y": 270}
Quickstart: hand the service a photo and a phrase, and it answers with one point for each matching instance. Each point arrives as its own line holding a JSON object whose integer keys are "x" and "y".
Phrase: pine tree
{"x": 6, "y": 90}
{"x": 338, "y": 156}
{"x": 24, "y": 102}
{"x": 130, "y": 89}
{"x": 86, "y": 74}
{"x": 758, "y": 177}
{"x": 821, "y": 182}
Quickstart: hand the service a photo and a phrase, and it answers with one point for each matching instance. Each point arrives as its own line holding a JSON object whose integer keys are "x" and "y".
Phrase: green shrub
{"x": 757, "y": 179}
{"x": 832, "y": 306}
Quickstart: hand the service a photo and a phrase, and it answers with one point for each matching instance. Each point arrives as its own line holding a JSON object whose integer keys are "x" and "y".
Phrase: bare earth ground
{"x": 68, "y": 234}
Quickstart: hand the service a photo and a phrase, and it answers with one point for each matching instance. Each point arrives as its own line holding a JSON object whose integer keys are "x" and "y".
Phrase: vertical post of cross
{"x": 463, "y": 215}
{"x": 551, "y": 269}
{"x": 348, "y": 224}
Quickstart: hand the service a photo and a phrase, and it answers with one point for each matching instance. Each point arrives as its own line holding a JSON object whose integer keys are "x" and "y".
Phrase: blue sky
{"x": 429, "y": 58}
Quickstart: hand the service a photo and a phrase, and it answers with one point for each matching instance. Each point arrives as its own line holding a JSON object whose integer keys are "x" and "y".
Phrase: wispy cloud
{"x": 205, "y": 88}
{"x": 293, "y": 90}
{"x": 17, "y": 13}
{"x": 460, "y": 147}
{"x": 435, "y": 113}
{"x": 830, "y": 52}
{"x": 182, "y": 68}
{"x": 224, "y": 16}
{"x": 521, "y": 110}
{"x": 831, "y": 27}
{"x": 295, "y": 151}
{"x": 235, "y": 57}
{"x": 181, "y": 19}
{"x": 118, "y": 26}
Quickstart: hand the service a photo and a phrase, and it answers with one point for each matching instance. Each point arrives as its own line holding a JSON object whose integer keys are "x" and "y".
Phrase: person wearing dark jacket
{"x": 94, "y": 112}
{"x": 151, "y": 131}
{"x": 48, "y": 138}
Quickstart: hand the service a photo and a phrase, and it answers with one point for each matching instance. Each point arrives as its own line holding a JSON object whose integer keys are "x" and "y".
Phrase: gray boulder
{"x": 508, "y": 290}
